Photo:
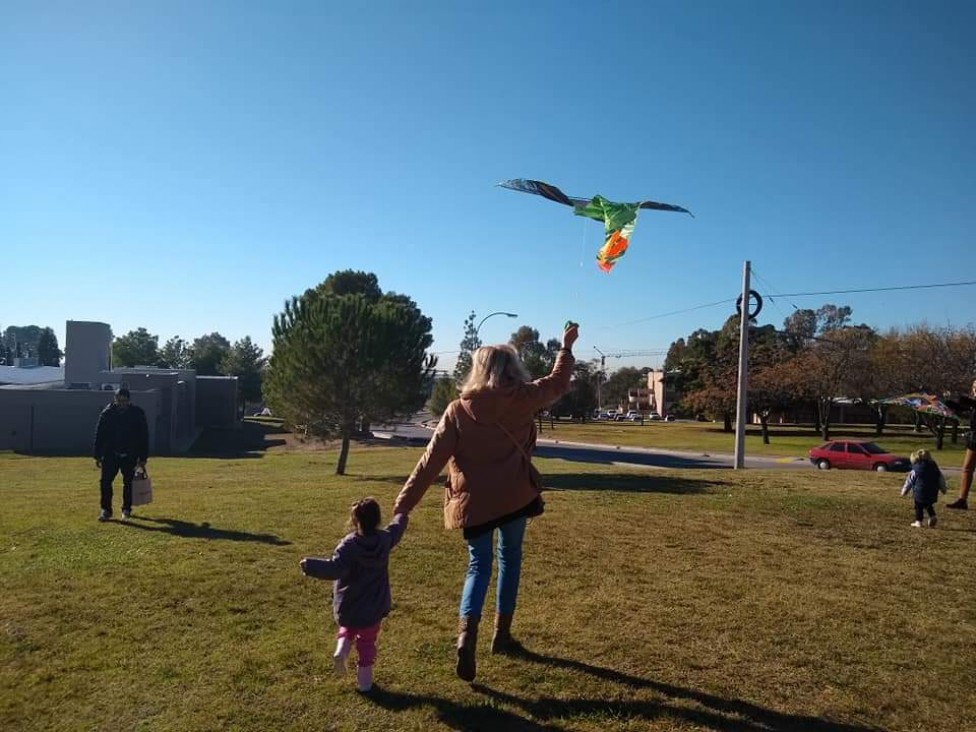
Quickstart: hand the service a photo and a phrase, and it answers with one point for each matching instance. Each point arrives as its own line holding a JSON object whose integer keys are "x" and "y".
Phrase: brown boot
{"x": 502, "y": 641}
{"x": 467, "y": 644}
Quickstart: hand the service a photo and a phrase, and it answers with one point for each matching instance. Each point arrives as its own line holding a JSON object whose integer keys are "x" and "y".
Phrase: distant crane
{"x": 616, "y": 354}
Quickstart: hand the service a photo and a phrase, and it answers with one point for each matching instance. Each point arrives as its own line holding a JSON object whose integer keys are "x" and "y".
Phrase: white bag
{"x": 141, "y": 489}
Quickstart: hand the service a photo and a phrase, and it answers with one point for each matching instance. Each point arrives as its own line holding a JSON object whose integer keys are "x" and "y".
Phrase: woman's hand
{"x": 570, "y": 334}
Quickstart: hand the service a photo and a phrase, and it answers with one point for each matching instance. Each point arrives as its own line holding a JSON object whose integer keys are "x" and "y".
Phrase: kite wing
{"x": 549, "y": 191}
{"x": 543, "y": 189}
{"x": 654, "y": 205}
{"x": 924, "y": 403}
{"x": 619, "y": 219}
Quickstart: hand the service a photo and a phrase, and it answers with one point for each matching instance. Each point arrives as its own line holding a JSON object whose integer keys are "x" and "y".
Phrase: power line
{"x": 872, "y": 289}
{"x": 676, "y": 312}
{"x": 792, "y": 294}
{"x": 775, "y": 295}
{"x": 632, "y": 354}
{"x": 769, "y": 286}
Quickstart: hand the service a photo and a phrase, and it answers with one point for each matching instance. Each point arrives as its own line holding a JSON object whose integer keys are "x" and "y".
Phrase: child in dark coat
{"x": 361, "y": 594}
{"x": 924, "y": 482}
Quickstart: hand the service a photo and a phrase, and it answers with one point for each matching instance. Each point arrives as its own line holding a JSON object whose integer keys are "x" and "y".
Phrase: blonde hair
{"x": 494, "y": 366}
{"x": 919, "y": 455}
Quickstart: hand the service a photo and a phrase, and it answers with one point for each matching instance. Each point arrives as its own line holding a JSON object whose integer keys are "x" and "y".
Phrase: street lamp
{"x": 599, "y": 378}
{"x": 500, "y": 312}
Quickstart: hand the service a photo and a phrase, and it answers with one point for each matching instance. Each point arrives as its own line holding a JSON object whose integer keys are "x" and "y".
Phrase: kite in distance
{"x": 619, "y": 219}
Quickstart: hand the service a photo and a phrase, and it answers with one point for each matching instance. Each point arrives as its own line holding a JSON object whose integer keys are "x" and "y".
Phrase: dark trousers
{"x": 920, "y": 507}
{"x": 111, "y": 465}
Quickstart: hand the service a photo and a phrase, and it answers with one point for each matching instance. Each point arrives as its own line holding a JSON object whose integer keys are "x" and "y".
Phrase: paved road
{"x": 414, "y": 433}
{"x": 654, "y": 458}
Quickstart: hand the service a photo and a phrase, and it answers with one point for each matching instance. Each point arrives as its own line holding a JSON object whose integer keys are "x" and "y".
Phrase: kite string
{"x": 581, "y": 278}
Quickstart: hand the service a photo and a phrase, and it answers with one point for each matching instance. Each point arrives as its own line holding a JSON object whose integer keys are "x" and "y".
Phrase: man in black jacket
{"x": 121, "y": 444}
{"x": 961, "y": 404}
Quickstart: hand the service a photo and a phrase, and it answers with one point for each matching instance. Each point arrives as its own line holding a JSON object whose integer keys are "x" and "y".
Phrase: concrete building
{"x": 45, "y": 415}
{"x": 653, "y": 398}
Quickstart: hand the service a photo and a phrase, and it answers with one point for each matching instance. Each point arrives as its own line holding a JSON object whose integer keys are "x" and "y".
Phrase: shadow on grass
{"x": 473, "y": 717}
{"x": 728, "y": 715}
{"x": 624, "y": 483}
{"x": 250, "y": 438}
{"x": 203, "y": 530}
{"x": 620, "y": 482}
{"x": 609, "y": 455}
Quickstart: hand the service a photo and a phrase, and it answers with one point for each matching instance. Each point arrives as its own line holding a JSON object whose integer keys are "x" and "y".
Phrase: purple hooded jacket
{"x": 359, "y": 566}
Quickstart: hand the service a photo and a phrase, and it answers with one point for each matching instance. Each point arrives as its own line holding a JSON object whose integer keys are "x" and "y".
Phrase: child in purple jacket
{"x": 924, "y": 482}
{"x": 361, "y": 593}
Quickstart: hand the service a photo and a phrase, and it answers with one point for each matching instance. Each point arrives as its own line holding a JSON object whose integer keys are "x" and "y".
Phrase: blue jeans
{"x": 479, "y": 569}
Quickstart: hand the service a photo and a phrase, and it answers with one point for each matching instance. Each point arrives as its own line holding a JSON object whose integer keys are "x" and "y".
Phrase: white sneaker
{"x": 916, "y": 524}
{"x": 104, "y": 515}
{"x": 364, "y": 678}
{"x": 343, "y": 646}
{"x": 126, "y": 515}
{"x": 932, "y": 521}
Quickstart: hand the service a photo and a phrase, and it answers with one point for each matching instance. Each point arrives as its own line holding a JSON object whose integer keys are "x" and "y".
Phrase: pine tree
{"x": 208, "y": 353}
{"x": 245, "y": 360}
{"x": 175, "y": 354}
{"x": 348, "y": 356}
{"x": 444, "y": 392}
{"x": 136, "y": 348}
{"x": 48, "y": 353}
{"x": 469, "y": 344}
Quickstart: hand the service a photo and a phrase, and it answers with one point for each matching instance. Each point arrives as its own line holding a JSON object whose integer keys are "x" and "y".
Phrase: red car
{"x": 856, "y": 455}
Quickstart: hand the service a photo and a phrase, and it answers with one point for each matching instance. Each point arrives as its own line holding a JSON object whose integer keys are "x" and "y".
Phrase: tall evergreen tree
{"x": 469, "y": 344}
{"x": 245, "y": 360}
{"x": 444, "y": 392}
{"x": 175, "y": 354}
{"x": 346, "y": 355}
{"x": 531, "y": 350}
{"x": 136, "y": 348}
{"x": 209, "y": 352}
{"x": 22, "y": 340}
{"x": 48, "y": 353}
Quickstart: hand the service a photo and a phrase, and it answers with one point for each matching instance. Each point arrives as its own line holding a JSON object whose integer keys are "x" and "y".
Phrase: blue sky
{"x": 186, "y": 167}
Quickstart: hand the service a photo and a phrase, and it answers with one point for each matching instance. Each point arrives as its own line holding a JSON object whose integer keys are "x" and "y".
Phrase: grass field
{"x": 664, "y": 600}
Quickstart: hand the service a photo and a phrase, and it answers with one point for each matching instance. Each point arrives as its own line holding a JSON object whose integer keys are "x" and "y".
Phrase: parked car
{"x": 669, "y": 418}
{"x": 654, "y": 417}
{"x": 856, "y": 455}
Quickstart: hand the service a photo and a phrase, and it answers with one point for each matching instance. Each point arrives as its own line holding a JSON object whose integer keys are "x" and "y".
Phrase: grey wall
{"x": 177, "y": 402}
{"x": 177, "y": 422}
{"x": 61, "y": 421}
{"x": 217, "y": 401}
{"x": 87, "y": 352}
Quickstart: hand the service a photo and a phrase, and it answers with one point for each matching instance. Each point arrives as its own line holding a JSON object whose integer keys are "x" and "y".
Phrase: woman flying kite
{"x": 619, "y": 219}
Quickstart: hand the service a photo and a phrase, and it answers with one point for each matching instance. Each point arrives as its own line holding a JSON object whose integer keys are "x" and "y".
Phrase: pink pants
{"x": 365, "y": 642}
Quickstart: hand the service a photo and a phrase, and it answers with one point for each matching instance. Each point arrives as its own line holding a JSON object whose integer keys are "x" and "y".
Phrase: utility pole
{"x": 599, "y": 378}
{"x": 743, "y": 386}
